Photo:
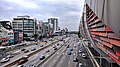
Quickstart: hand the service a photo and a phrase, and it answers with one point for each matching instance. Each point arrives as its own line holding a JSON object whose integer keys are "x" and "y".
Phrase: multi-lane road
{"x": 59, "y": 57}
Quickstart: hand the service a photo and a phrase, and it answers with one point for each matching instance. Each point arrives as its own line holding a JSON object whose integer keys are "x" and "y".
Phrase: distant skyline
{"x": 68, "y": 12}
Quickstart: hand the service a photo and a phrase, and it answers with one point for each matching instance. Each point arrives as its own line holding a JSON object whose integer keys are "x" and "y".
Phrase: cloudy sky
{"x": 68, "y": 12}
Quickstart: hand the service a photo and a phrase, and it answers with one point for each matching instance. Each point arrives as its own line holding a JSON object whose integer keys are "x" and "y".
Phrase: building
{"x": 27, "y": 25}
{"x": 46, "y": 28}
{"x": 100, "y": 25}
{"x": 54, "y": 22}
{"x": 6, "y": 33}
{"x": 18, "y": 36}
{"x": 40, "y": 28}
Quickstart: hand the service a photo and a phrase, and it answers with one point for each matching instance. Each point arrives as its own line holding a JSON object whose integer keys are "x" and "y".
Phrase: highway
{"x": 86, "y": 62}
{"x": 18, "y": 53}
{"x": 53, "y": 58}
{"x": 61, "y": 58}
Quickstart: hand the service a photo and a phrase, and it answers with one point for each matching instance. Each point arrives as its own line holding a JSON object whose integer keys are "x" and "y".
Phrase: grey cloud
{"x": 45, "y": 9}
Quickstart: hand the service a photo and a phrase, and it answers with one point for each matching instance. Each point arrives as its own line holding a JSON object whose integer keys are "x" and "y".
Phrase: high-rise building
{"x": 27, "y": 25}
{"x": 46, "y": 28}
{"x": 39, "y": 28}
{"x": 54, "y": 22}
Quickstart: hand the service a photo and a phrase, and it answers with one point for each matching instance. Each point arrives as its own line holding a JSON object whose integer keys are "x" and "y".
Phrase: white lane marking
{"x": 58, "y": 53}
{"x": 54, "y": 60}
{"x": 69, "y": 62}
{"x": 57, "y": 56}
{"x": 47, "y": 55}
{"x": 74, "y": 54}
{"x": 61, "y": 61}
{"x": 63, "y": 57}
{"x": 85, "y": 64}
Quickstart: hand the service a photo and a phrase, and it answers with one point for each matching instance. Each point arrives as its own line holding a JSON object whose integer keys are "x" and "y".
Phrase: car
{"x": 80, "y": 65}
{"x": 23, "y": 60}
{"x": 69, "y": 53}
{"x": 55, "y": 48}
{"x": 41, "y": 46}
{"x": 68, "y": 46}
{"x": 42, "y": 57}
{"x": 84, "y": 55}
{"x": 26, "y": 51}
{"x": 21, "y": 66}
{"x": 23, "y": 49}
{"x": 31, "y": 65}
{"x": 51, "y": 39}
{"x": 10, "y": 55}
{"x": 75, "y": 46}
{"x": 6, "y": 59}
{"x": 47, "y": 51}
{"x": 33, "y": 49}
{"x": 75, "y": 59}
{"x": 80, "y": 51}
{"x": 71, "y": 49}
{"x": 58, "y": 44}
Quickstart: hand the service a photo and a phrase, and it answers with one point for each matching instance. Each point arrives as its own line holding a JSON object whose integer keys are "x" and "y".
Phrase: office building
{"x": 27, "y": 25}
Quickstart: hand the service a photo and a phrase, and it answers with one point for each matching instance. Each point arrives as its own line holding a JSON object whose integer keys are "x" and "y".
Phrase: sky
{"x": 68, "y": 12}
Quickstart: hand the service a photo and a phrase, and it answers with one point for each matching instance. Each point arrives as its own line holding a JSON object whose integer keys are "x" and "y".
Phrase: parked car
{"x": 6, "y": 59}
{"x": 42, "y": 57}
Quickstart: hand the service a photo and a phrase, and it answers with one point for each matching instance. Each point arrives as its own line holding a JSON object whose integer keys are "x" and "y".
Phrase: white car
{"x": 20, "y": 66}
{"x": 84, "y": 55}
{"x": 10, "y": 55}
{"x": 80, "y": 51}
{"x": 5, "y": 59}
{"x": 80, "y": 65}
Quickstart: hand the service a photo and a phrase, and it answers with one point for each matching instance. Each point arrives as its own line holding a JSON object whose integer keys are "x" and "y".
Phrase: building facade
{"x": 28, "y": 26}
{"x": 18, "y": 36}
{"x": 100, "y": 26}
{"x": 54, "y": 23}
{"x": 6, "y": 33}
